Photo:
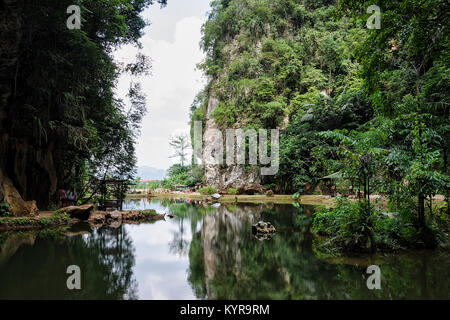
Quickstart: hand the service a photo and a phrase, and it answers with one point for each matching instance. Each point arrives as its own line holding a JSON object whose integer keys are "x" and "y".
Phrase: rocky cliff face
{"x": 27, "y": 170}
{"x": 222, "y": 176}
{"x": 242, "y": 92}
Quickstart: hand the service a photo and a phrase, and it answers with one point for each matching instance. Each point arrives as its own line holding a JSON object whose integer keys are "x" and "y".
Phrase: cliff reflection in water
{"x": 228, "y": 262}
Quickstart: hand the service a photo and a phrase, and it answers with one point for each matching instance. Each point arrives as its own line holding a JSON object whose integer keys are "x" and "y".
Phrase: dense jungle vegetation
{"x": 369, "y": 104}
{"x": 61, "y": 125}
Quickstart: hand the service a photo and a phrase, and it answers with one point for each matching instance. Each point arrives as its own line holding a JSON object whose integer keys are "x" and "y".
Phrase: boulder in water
{"x": 97, "y": 217}
{"x": 263, "y": 227}
{"x": 80, "y": 212}
{"x": 114, "y": 216}
{"x": 216, "y": 196}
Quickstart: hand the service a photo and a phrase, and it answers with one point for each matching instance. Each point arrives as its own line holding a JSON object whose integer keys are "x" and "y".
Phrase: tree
{"x": 180, "y": 143}
{"x": 58, "y": 112}
{"x": 405, "y": 70}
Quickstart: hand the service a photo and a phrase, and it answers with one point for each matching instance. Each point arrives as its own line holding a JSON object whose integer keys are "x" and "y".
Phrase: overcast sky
{"x": 172, "y": 42}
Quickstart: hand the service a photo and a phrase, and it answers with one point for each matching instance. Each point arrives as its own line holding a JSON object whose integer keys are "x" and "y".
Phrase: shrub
{"x": 269, "y": 193}
{"x": 352, "y": 227}
{"x": 349, "y": 226}
{"x": 233, "y": 191}
{"x": 4, "y": 210}
{"x": 207, "y": 190}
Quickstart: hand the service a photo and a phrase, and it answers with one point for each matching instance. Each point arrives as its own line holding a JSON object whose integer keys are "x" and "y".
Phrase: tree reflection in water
{"x": 180, "y": 244}
{"x": 106, "y": 259}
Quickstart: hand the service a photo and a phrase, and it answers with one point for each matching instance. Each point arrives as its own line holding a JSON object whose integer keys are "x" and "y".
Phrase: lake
{"x": 208, "y": 252}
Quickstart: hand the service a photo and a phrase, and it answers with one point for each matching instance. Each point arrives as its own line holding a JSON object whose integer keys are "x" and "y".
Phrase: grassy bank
{"x": 43, "y": 220}
{"x": 60, "y": 218}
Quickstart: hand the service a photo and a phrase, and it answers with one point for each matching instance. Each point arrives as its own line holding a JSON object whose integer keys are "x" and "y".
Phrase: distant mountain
{"x": 150, "y": 173}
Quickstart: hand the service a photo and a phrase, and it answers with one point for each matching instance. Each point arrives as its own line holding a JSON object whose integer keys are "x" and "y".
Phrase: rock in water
{"x": 216, "y": 196}
{"x": 263, "y": 227}
{"x": 133, "y": 215}
{"x": 80, "y": 212}
{"x": 97, "y": 217}
{"x": 114, "y": 216}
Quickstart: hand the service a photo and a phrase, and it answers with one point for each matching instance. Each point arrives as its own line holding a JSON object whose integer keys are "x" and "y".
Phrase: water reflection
{"x": 208, "y": 252}
{"x": 37, "y": 270}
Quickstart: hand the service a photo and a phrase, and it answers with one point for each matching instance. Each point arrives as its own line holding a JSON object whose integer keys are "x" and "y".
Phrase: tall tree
{"x": 180, "y": 143}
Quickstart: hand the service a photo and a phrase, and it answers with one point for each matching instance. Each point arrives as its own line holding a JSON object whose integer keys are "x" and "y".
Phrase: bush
{"x": 233, "y": 191}
{"x": 4, "y": 210}
{"x": 402, "y": 231}
{"x": 207, "y": 190}
{"x": 349, "y": 227}
{"x": 269, "y": 193}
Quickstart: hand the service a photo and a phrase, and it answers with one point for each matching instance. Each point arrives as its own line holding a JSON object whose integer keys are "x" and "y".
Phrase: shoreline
{"x": 72, "y": 215}
{"x": 62, "y": 218}
{"x": 315, "y": 200}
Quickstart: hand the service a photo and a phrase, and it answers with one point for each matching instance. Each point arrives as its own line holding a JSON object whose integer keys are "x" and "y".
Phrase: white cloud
{"x": 170, "y": 90}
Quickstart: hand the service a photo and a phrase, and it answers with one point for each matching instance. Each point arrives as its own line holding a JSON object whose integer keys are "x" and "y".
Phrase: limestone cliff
{"x": 220, "y": 176}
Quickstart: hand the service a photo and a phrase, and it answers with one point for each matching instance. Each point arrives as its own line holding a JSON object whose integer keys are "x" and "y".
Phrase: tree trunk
{"x": 421, "y": 210}
{"x": 373, "y": 244}
{"x": 447, "y": 191}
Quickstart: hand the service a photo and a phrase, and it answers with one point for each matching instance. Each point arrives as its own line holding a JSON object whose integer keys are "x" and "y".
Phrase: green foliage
{"x": 296, "y": 65}
{"x": 22, "y": 221}
{"x": 208, "y": 190}
{"x": 349, "y": 227}
{"x": 4, "y": 209}
{"x": 304, "y": 156}
{"x": 63, "y": 98}
{"x": 233, "y": 191}
{"x": 403, "y": 71}
{"x": 55, "y": 219}
{"x": 179, "y": 175}
{"x": 369, "y": 104}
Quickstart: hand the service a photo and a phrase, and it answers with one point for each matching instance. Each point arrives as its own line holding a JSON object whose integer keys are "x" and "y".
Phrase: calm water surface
{"x": 207, "y": 252}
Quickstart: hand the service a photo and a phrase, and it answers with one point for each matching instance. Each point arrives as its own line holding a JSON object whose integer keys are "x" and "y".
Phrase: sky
{"x": 172, "y": 41}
